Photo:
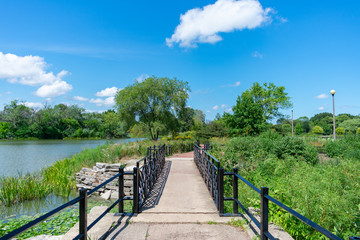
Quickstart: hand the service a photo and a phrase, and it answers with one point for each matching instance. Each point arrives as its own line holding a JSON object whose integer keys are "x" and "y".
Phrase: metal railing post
{"x": 235, "y": 191}
{"x": 135, "y": 191}
{"x": 121, "y": 189}
{"x": 221, "y": 191}
{"x": 264, "y": 213}
{"x": 83, "y": 214}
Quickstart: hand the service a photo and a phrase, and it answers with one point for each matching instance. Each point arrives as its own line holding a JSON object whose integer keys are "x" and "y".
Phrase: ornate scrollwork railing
{"x": 209, "y": 170}
{"x": 148, "y": 170}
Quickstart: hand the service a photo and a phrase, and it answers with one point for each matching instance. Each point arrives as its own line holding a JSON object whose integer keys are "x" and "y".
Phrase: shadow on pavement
{"x": 156, "y": 192}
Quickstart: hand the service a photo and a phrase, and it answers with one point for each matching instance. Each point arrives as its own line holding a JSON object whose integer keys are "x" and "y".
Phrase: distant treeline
{"x": 58, "y": 122}
{"x": 321, "y": 123}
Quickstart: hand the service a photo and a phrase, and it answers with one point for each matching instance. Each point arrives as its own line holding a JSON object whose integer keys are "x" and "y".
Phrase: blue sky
{"x": 81, "y": 52}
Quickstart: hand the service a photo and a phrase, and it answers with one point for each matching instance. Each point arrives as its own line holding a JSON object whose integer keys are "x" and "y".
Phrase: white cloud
{"x": 256, "y": 54}
{"x": 142, "y": 77}
{"x": 216, "y": 107}
{"x": 236, "y": 84}
{"x": 33, "y": 104}
{"x": 223, "y": 106}
{"x": 228, "y": 110}
{"x": 27, "y": 70}
{"x": 321, "y": 108}
{"x": 81, "y": 99}
{"x": 110, "y": 101}
{"x": 108, "y": 92}
{"x": 282, "y": 19}
{"x": 208, "y": 111}
{"x": 203, "y": 25}
{"x": 31, "y": 70}
{"x": 55, "y": 89}
{"x": 322, "y": 96}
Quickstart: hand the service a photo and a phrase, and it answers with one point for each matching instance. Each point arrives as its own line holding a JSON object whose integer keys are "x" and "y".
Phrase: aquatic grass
{"x": 60, "y": 179}
{"x": 59, "y": 224}
{"x": 21, "y": 188}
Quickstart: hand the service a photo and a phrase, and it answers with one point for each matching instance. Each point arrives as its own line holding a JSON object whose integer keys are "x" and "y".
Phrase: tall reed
{"x": 59, "y": 178}
{"x": 22, "y": 187}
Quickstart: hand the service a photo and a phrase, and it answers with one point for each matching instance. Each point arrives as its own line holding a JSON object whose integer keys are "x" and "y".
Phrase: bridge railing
{"x": 213, "y": 175}
{"x": 147, "y": 172}
{"x": 209, "y": 168}
{"x": 82, "y": 200}
{"x": 144, "y": 177}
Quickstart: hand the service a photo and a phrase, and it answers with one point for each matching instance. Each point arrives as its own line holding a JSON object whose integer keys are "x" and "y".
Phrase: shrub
{"x": 317, "y": 130}
{"x": 340, "y": 131}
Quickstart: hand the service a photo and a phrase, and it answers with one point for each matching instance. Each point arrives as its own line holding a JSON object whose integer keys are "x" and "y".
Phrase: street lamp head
{"x": 332, "y": 92}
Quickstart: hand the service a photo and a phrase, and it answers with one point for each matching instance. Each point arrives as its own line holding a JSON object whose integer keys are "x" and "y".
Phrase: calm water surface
{"x": 30, "y": 156}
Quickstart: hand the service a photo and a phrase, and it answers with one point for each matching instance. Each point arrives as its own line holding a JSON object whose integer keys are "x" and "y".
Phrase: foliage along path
{"x": 179, "y": 207}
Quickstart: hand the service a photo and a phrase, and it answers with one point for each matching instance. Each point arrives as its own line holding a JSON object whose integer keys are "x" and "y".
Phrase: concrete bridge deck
{"x": 179, "y": 207}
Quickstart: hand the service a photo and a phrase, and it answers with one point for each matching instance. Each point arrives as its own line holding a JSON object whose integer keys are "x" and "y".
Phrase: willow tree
{"x": 156, "y": 102}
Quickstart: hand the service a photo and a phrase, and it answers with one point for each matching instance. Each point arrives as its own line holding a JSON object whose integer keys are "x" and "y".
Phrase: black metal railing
{"x": 82, "y": 200}
{"x": 147, "y": 173}
{"x": 213, "y": 175}
{"x": 209, "y": 168}
{"x": 144, "y": 178}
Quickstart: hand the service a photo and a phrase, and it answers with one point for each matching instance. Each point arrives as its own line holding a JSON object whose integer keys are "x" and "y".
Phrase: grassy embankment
{"x": 60, "y": 179}
{"x": 327, "y": 192}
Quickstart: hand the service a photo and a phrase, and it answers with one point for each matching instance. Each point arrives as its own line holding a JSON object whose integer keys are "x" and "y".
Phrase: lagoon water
{"x": 30, "y": 156}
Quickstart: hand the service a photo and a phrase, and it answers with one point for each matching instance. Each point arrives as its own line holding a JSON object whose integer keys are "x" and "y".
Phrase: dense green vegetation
{"x": 327, "y": 192}
{"x": 58, "y": 122}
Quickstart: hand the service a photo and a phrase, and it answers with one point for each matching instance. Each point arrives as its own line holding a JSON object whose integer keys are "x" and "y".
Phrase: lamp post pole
{"x": 292, "y": 123}
{"x": 333, "y": 98}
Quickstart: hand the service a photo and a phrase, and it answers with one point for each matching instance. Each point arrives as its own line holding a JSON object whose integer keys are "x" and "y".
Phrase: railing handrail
{"x": 81, "y": 198}
{"x": 62, "y": 207}
{"x": 265, "y": 198}
{"x": 202, "y": 149}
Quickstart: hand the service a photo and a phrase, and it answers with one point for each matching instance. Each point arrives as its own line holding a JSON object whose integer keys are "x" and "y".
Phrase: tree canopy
{"x": 156, "y": 102}
{"x": 255, "y": 106}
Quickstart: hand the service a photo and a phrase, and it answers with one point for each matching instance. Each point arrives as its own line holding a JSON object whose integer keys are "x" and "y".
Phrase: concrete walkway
{"x": 179, "y": 207}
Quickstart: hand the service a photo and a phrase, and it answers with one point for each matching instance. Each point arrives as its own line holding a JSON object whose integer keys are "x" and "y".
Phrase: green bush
{"x": 326, "y": 193}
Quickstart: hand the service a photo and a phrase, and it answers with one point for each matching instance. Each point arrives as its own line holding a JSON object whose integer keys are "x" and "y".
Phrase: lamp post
{"x": 333, "y": 98}
{"x": 292, "y": 123}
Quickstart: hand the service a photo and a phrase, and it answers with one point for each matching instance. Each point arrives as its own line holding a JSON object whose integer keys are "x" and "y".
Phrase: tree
{"x": 19, "y": 116}
{"x": 255, "y": 106}
{"x": 247, "y": 117}
{"x": 298, "y": 129}
{"x": 153, "y": 102}
{"x": 351, "y": 125}
{"x": 317, "y": 130}
{"x": 340, "y": 131}
{"x": 271, "y": 98}
{"x": 305, "y": 123}
{"x": 186, "y": 119}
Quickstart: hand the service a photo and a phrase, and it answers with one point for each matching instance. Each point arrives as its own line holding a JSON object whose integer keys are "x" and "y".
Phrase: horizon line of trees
{"x": 58, "y": 122}
{"x": 157, "y": 107}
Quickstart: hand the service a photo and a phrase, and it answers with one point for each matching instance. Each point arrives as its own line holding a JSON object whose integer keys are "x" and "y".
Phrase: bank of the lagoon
{"x": 29, "y": 156}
